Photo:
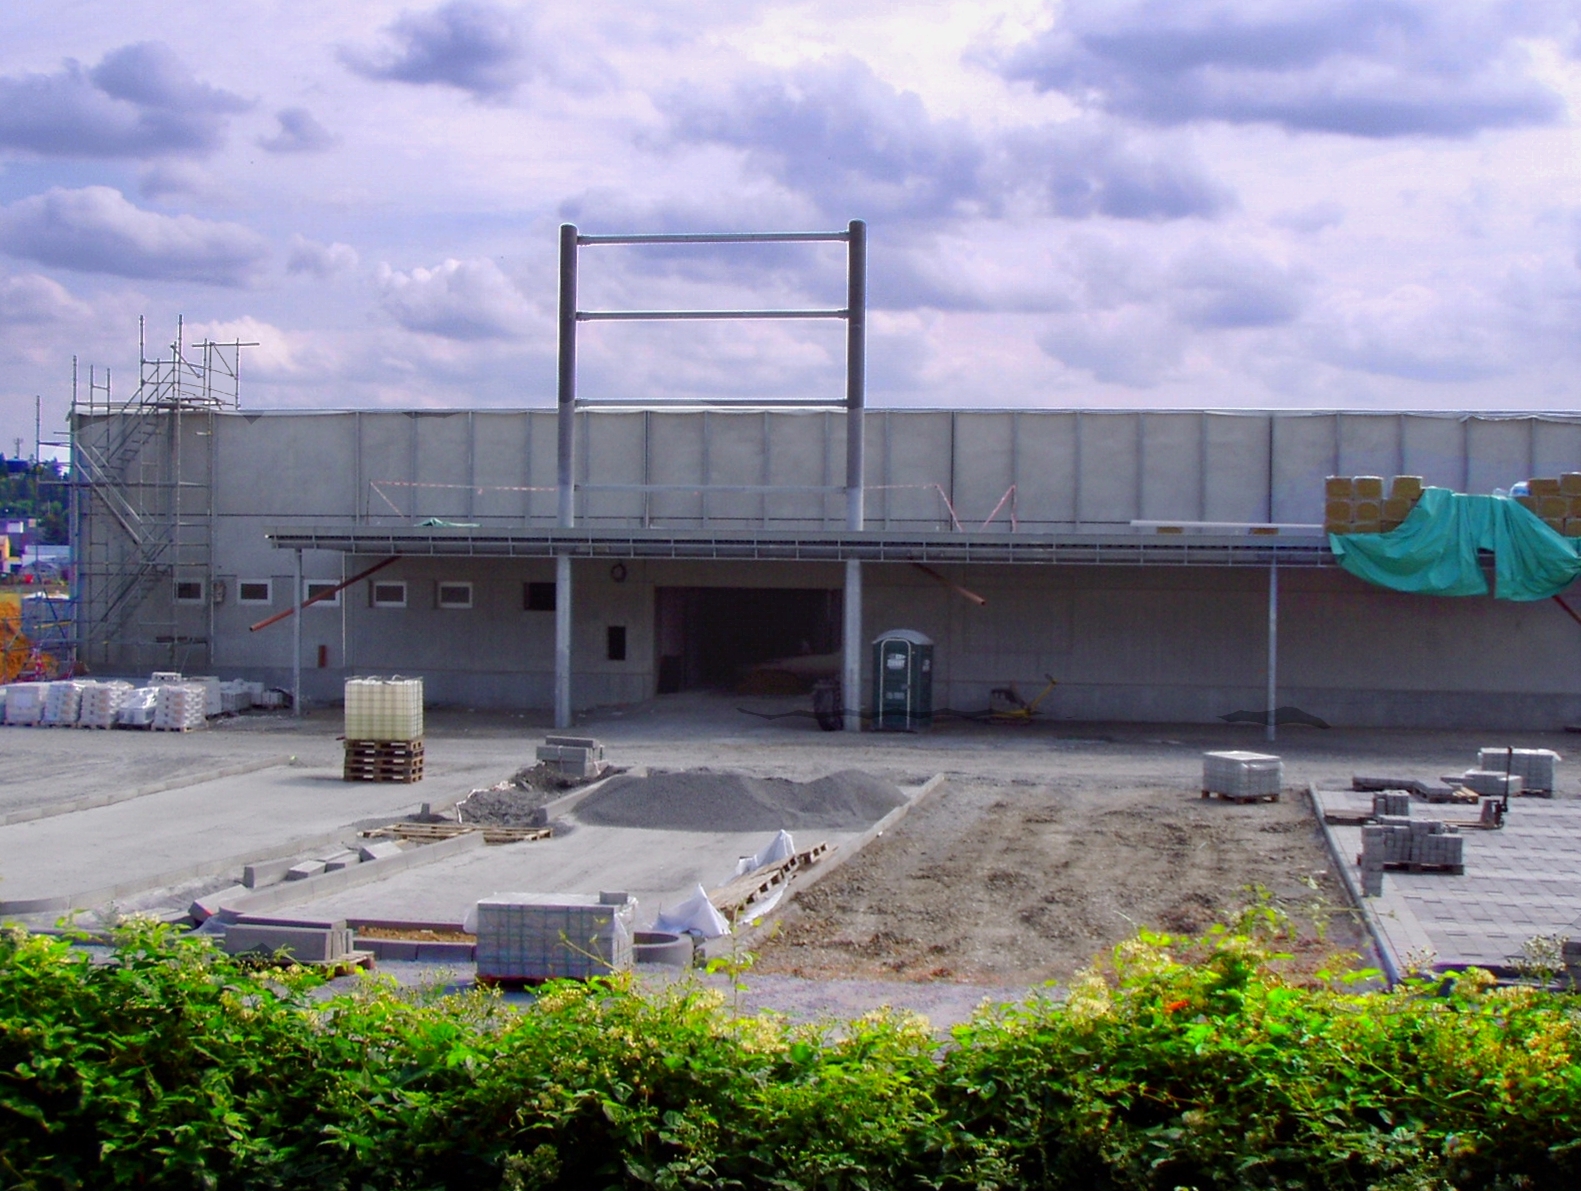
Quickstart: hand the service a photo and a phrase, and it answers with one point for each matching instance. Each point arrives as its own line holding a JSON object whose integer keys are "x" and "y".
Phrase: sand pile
{"x": 700, "y": 800}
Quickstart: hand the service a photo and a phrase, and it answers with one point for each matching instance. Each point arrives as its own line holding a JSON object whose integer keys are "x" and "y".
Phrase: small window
{"x": 254, "y": 591}
{"x": 454, "y": 595}
{"x": 318, "y": 587}
{"x": 615, "y": 640}
{"x": 189, "y": 591}
{"x": 386, "y": 594}
{"x": 538, "y": 597}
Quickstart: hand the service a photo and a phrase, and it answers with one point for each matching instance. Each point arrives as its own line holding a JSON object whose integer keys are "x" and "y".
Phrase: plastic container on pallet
{"x": 384, "y": 709}
{"x": 1242, "y": 775}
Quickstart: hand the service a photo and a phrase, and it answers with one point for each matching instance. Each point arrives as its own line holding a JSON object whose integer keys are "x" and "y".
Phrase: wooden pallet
{"x": 328, "y": 968}
{"x": 1410, "y": 866}
{"x": 731, "y": 898}
{"x": 188, "y": 728}
{"x": 1241, "y": 798}
{"x": 431, "y": 832}
{"x": 383, "y": 761}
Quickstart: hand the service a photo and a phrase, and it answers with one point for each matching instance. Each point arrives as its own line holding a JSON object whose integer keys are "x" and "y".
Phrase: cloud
{"x": 321, "y": 260}
{"x": 299, "y": 133}
{"x": 466, "y": 300}
{"x": 475, "y": 47}
{"x": 32, "y": 299}
{"x": 1369, "y": 68}
{"x": 140, "y": 101}
{"x": 95, "y": 230}
{"x": 1216, "y": 288}
{"x": 1416, "y": 332}
{"x": 1311, "y": 219}
{"x": 1132, "y": 346}
{"x": 835, "y": 131}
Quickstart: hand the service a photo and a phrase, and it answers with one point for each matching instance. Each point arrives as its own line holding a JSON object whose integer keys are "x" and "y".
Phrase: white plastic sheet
{"x": 696, "y": 915}
{"x": 781, "y": 847}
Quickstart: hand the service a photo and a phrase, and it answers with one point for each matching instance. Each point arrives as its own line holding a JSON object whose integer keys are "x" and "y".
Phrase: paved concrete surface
{"x": 659, "y": 868}
{"x": 1520, "y": 881}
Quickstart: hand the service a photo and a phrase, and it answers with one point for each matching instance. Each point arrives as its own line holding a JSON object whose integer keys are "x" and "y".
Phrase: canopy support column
{"x": 296, "y": 640}
{"x": 851, "y": 636}
{"x": 1270, "y": 731}
{"x": 562, "y": 641}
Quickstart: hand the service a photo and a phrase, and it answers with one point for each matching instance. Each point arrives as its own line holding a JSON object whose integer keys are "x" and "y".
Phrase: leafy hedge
{"x": 171, "y": 1065}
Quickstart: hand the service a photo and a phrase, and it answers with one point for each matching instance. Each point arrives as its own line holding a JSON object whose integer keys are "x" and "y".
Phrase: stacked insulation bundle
{"x": 62, "y": 701}
{"x": 179, "y": 707}
{"x": 1357, "y": 504}
{"x": 137, "y": 708}
{"x": 100, "y": 703}
{"x": 24, "y": 703}
{"x": 1557, "y": 500}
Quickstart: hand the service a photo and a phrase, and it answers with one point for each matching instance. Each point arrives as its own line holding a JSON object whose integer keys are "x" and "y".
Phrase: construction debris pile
{"x": 703, "y": 800}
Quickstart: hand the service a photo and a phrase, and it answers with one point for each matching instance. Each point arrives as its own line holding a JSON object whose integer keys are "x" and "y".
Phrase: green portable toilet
{"x": 902, "y": 681}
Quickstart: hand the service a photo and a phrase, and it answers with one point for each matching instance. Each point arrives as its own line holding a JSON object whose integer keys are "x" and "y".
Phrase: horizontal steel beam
{"x": 649, "y": 316}
{"x": 812, "y": 546}
{"x": 715, "y": 238}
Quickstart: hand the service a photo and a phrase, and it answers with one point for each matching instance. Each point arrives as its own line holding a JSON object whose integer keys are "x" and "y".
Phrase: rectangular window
{"x": 314, "y": 587}
{"x": 615, "y": 639}
{"x": 189, "y": 591}
{"x": 538, "y": 597}
{"x": 385, "y": 594}
{"x": 454, "y": 595}
{"x": 254, "y": 591}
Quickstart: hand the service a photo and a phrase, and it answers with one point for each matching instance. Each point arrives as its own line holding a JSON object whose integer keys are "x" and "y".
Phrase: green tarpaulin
{"x": 1434, "y": 551}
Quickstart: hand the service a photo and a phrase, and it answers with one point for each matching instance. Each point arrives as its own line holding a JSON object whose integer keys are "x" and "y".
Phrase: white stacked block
{"x": 540, "y": 936}
{"x": 213, "y": 699}
{"x": 100, "y": 703}
{"x": 137, "y": 707}
{"x": 1242, "y": 775}
{"x": 24, "y": 703}
{"x": 384, "y": 709}
{"x": 180, "y": 707}
{"x": 1535, "y": 767}
{"x": 62, "y": 701}
{"x": 235, "y": 696}
{"x": 1492, "y": 783}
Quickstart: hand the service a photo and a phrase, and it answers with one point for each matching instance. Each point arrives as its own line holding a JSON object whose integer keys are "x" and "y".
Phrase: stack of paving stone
{"x": 573, "y": 756}
{"x": 1490, "y": 783}
{"x": 1242, "y": 775}
{"x": 180, "y": 706}
{"x": 1557, "y": 500}
{"x": 542, "y": 936}
{"x": 319, "y": 943}
{"x": 1535, "y": 767}
{"x": 1418, "y": 845}
{"x": 1391, "y": 802}
{"x": 1359, "y": 504}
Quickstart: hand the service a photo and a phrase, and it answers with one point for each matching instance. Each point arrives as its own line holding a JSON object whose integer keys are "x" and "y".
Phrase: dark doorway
{"x": 715, "y": 636}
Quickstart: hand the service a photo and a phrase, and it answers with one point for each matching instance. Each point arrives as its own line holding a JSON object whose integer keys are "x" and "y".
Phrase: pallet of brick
{"x": 1419, "y": 846}
{"x": 1242, "y": 776}
{"x": 1391, "y": 802}
{"x": 1490, "y": 783}
{"x": 573, "y": 756}
{"x": 383, "y": 761}
{"x": 384, "y": 709}
{"x": 531, "y": 937}
{"x": 100, "y": 703}
{"x": 180, "y": 707}
{"x": 1535, "y": 767}
{"x": 24, "y": 703}
{"x": 62, "y": 702}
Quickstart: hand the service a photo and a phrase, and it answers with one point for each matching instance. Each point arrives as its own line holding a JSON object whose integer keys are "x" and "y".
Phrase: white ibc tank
{"x": 384, "y": 709}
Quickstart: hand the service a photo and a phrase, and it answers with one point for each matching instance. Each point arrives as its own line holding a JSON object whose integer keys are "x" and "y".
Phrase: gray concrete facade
{"x": 1149, "y": 642}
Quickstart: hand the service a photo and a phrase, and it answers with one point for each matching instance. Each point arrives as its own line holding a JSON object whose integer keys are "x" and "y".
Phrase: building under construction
{"x": 1163, "y": 565}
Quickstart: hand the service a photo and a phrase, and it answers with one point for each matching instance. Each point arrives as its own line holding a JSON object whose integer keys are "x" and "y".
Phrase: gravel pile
{"x": 515, "y": 803}
{"x": 701, "y": 800}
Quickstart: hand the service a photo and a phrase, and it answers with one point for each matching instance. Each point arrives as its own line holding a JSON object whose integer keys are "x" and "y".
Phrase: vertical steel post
{"x": 567, "y": 474}
{"x": 296, "y": 641}
{"x": 855, "y": 371}
{"x": 567, "y": 375}
{"x": 1270, "y": 731}
{"x": 855, "y": 463}
{"x": 851, "y": 636}
{"x": 562, "y": 640}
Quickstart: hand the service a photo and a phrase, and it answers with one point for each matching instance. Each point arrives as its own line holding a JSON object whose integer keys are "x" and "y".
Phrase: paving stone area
{"x": 1520, "y": 881}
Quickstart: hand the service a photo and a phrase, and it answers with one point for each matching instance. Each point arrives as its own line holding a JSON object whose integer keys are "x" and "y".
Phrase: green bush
{"x": 1185, "y": 1063}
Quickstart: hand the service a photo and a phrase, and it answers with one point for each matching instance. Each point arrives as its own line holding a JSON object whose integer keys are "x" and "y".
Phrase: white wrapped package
{"x": 696, "y": 915}
{"x": 62, "y": 701}
{"x": 100, "y": 703}
{"x": 137, "y": 708}
{"x": 24, "y": 703}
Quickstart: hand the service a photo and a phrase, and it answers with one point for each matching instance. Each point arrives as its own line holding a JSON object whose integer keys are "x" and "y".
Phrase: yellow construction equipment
{"x": 1006, "y": 706}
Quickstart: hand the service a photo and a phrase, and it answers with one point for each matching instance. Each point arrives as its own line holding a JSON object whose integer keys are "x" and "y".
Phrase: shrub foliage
{"x": 1179, "y": 1064}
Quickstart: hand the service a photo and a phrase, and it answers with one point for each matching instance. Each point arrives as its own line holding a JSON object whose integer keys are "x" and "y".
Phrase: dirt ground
{"x": 1020, "y": 881}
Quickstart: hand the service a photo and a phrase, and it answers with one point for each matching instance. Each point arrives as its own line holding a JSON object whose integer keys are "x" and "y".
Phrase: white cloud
{"x": 32, "y": 299}
{"x": 481, "y": 48}
{"x": 465, "y": 300}
{"x": 320, "y": 260}
{"x": 95, "y": 230}
{"x": 299, "y": 133}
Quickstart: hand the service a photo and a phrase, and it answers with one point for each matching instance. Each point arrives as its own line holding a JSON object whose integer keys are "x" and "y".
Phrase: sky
{"x": 1097, "y": 203}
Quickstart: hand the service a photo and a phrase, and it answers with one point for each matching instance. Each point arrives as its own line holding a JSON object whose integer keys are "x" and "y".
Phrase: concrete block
{"x": 539, "y": 936}
{"x": 304, "y": 869}
{"x": 1242, "y": 774}
{"x": 266, "y": 872}
{"x": 1535, "y": 767}
{"x": 379, "y": 849}
{"x": 577, "y": 742}
{"x": 301, "y": 943}
{"x": 1489, "y": 783}
{"x": 336, "y": 861}
{"x": 205, "y": 907}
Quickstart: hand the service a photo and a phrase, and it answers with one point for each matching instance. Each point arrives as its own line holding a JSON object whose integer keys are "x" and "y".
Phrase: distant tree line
{"x": 36, "y": 490}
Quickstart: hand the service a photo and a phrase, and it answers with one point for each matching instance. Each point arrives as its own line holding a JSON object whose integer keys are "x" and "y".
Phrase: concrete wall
{"x": 1126, "y": 643}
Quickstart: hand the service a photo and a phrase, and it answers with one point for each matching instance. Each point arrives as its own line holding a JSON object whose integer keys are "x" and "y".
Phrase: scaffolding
{"x": 142, "y": 506}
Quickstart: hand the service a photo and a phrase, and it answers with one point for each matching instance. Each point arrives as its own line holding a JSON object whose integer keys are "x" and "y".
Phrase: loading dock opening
{"x": 712, "y": 636}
